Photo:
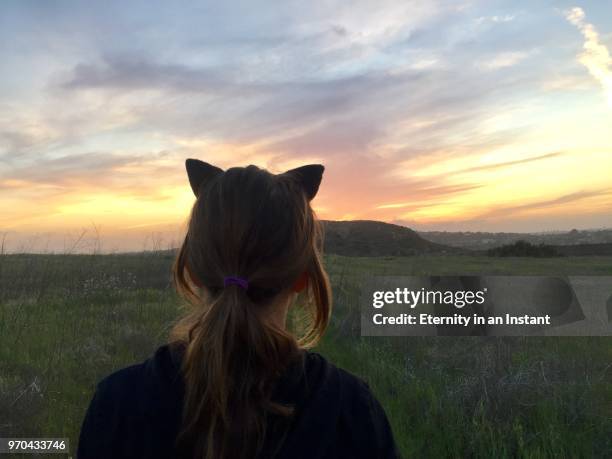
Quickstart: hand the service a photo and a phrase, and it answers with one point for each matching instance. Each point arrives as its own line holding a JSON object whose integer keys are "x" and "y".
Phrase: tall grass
{"x": 68, "y": 320}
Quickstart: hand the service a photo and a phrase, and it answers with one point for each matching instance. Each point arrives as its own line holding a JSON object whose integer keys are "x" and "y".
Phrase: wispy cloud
{"x": 566, "y": 199}
{"x": 511, "y": 163}
{"x": 136, "y": 72}
{"x": 421, "y": 193}
{"x": 496, "y": 18}
{"x": 595, "y": 56}
{"x": 94, "y": 172}
{"x": 503, "y": 60}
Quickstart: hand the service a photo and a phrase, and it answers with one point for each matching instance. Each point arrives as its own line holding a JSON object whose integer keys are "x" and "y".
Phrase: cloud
{"x": 133, "y": 72}
{"x": 510, "y": 163}
{"x": 214, "y": 100}
{"x": 85, "y": 167}
{"x": 425, "y": 191}
{"x": 332, "y": 138}
{"x": 505, "y": 211}
{"x": 595, "y": 56}
{"x": 284, "y": 77}
{"x": 572, "y": 212}
{"x": 218, "y": 103}
{"x": 503, "y": 60}
{"x": 568, "y": 82}
{"x": 134, "y": 175}
{"x": 496, "y": 18}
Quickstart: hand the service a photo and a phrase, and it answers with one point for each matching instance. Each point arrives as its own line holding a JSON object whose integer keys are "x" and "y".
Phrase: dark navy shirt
{"x": 136, "y": 413}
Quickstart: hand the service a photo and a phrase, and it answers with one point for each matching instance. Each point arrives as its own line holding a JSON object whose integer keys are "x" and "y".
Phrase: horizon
{"x": 92, "y": 241}
{"x": 434, "y": 115}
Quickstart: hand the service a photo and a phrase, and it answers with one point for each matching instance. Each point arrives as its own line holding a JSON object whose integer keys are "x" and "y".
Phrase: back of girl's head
{"x": 257, "y": 226}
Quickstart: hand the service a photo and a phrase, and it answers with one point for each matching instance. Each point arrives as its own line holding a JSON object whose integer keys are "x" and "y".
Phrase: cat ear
{"x": 199, "y": 173}
{"x": 309, "y": 177}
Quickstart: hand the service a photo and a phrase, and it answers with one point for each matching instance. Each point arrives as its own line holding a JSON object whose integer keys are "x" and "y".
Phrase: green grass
{"x": 67, "y": 321}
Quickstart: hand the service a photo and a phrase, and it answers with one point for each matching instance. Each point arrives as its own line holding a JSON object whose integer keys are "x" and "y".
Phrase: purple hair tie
{"x": 229, "y": 280}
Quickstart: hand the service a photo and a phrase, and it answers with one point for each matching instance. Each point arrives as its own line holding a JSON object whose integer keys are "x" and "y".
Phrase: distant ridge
{"x": 485, "y": 240}
{"x": 370, "y": 238}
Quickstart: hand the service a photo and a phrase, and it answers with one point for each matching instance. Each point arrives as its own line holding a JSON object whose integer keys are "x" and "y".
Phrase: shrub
{"x": 524, "y": 249}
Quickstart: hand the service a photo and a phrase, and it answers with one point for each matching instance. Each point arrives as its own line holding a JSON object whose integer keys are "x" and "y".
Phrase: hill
{"x": 369, "y": 238}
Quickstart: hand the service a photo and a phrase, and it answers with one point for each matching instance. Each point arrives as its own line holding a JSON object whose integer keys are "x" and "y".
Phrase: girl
{"x": 233, "y": 382}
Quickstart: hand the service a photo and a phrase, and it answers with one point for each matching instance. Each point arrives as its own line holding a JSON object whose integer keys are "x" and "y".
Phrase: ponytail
{"x": 232, "y": 359}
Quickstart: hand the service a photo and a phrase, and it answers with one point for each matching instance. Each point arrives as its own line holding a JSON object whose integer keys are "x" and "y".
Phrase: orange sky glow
{"x": 430, "y": 134}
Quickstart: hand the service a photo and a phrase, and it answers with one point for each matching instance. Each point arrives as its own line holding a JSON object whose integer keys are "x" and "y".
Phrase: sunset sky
{"x": 437, "y": 115}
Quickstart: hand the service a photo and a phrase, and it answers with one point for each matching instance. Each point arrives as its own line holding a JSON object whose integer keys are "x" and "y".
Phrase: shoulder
{"x": 134, "y": 409}
{"x": 121, "y": 382}
{"x": 154, "y": 374}
{"x": 108, "y": 414}
{"x": 354, "y": 394}
{"x": 121, "y": 393}
{"x": 116, "y": 396}
{"x": 362, "y": 421}
{"x": 352, "y": 386}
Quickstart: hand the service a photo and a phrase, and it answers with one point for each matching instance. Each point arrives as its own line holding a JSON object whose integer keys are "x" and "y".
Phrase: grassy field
{"x": 68, "y": 320}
